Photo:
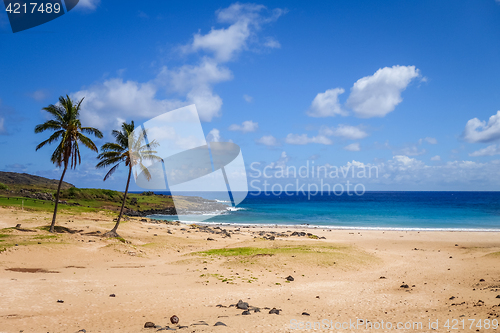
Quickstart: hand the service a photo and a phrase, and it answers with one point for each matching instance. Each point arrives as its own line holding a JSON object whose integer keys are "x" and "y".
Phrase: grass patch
{"x": 283, "y": 253}
{"x": 45, "y": 237}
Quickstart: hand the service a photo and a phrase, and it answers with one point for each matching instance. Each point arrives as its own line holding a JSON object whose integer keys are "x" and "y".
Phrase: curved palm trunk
{"x": 123, "y": 203}
{"x": 52, "y": 225}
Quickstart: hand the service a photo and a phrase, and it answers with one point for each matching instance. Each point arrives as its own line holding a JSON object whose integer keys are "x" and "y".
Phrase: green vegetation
{"x": 4, "y": 187}
{"x": 282, "y": 253}
{"x": 256, "y": 251}
{"x": 91, "y": 194}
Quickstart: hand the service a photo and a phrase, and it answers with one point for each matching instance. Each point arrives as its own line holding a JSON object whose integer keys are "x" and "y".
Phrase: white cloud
{"x": 225, "y": 43}
{"x": 246, "y": 127}
{"x": 429, "y": 140}
{"x": 327, "y": 104}
{"x": 436, "y": 158}
{"x": 344, "y": 131}
{"x": 188, "y": 84}
{"x": 303, "y": 139}
{"x": 248, "y": 98}
{"x": 2, "y": 127}
{"x": 272, "y": 43}
{"x": 353, "y": 147}
{"x": 39, "y": 95}
{"x": 480, "y": 131}
{"x": 214, "y": 136}
{"x": 268, "y": 140}
{"x": 488, "y": 151}
{"x": 88, "y": 4}
{"x": 115, "y": 99}
{"x": 377, "y": 95}
{"x": 410, "y": 151}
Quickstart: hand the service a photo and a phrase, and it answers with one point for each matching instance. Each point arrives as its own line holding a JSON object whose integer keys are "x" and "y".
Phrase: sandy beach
{"x": 158, "y": 270}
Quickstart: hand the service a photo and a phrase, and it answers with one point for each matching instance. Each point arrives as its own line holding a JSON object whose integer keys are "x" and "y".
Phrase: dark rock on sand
{"x": 174, "y": 319}
{"x": 220, "y": 323}
{"x": 60, "y": 301}
{"x": 498, "y": 296}
{"x": 305, "y": 314}
{"x": 256, "y": 310}
{"x": 242, "y": 305}
{"x": 482, "y": 280}
{"x": 201, "y": 322}
{"x": 245, "y": 313}
{"x": 404, "y": 286}
{"x": 112, "y": 295}
{"x": 274, "y": 311}
{"x": 149, "y": 324}
{"x": 290, "y": 278}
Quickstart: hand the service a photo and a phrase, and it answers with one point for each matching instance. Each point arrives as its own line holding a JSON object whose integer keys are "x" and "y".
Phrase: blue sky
{"x": 409, "y": 87}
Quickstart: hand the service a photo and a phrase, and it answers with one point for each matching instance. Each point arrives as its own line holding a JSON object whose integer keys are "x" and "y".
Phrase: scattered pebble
{"x": 174, "y": 319}
{"x": 149, "y": 324}
{"x": 274, "y": 311}
{"x": 242, "y": 305}
{"x": 220, "y": 323}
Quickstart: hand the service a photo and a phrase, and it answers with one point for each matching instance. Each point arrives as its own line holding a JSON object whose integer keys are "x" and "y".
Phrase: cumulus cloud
{"x": 272, "y": 43}
{"x": 380, "y": 93}
{"x": 38, "y": 95}
{"x": 327, "y": 104}
{"x": 116, "y": 99}
{"x": 268, "y": 140}
{"x": 353, "y": 147}
{"x": 248, "y": 98}
{"x": 2, "y": 126}
{"x": 226, "y": 43}
{"x": 214, "y": 136}
{"x": 488, "y": 151}
{"x": 246, "y": 127}
{"x": 436, "y": 158}
{"x": 411, "y": 150}
{"x": 88, "y": 4}
{"x": 480, "y": 131}
{"x": 304, "y": 139}
{"x": 429, "y": 140}
{"x": 344, "y": 131}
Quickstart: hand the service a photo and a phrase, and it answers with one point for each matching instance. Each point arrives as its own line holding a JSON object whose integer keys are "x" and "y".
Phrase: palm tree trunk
{"x": 124, "y": 200}
{"x": 52, "y": 225}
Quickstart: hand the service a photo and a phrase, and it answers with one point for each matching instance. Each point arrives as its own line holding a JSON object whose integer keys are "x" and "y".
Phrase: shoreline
{"x": 315, "y": 226}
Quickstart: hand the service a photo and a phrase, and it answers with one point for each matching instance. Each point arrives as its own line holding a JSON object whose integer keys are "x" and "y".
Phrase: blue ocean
{"x": 374, "y": 210}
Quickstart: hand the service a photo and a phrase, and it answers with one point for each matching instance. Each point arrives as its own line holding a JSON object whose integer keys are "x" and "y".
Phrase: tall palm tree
{"x": 69, "y": 132}
{"x": 132, "y": 150}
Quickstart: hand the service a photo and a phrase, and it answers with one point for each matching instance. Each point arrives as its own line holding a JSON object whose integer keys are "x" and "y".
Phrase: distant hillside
{"x": 24, "y": 180}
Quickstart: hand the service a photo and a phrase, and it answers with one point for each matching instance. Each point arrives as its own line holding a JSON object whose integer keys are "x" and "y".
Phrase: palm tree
{"x": 129, "y": 149}
{"x": 69, "y": 132}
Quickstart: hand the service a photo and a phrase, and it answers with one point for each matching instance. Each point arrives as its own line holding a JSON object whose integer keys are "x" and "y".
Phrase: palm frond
{"x": 93, "y": 131}
{"x": 52, "y": 138}
{"x": 111, "y": 171}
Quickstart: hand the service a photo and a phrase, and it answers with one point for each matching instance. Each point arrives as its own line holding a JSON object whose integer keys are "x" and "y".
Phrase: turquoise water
{"x": 379, "y": 210}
